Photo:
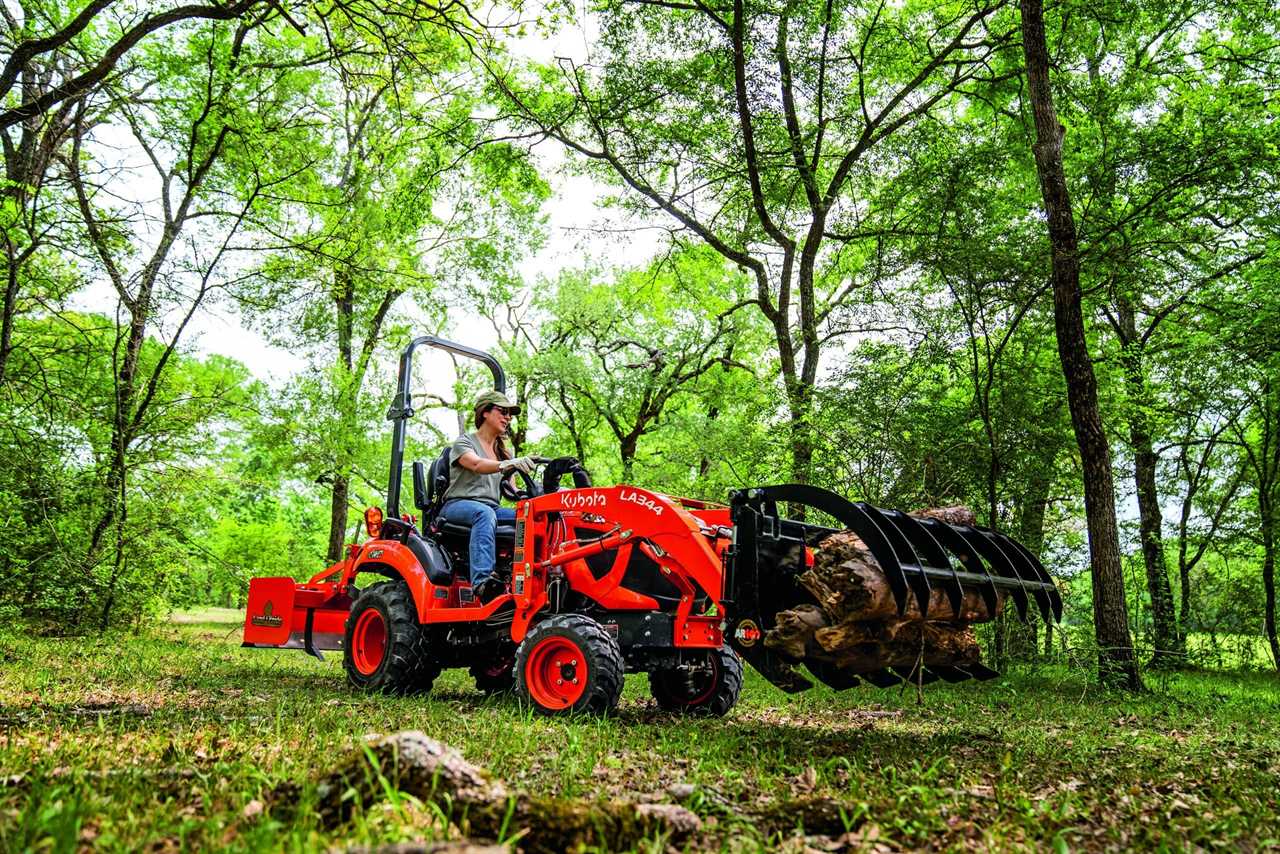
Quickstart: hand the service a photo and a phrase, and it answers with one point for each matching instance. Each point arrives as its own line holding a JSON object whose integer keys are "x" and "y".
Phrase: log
{"x": 854, "y": 623}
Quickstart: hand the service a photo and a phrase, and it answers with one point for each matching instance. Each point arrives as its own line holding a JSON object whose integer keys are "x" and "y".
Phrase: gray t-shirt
{"x": 464, "y": 483}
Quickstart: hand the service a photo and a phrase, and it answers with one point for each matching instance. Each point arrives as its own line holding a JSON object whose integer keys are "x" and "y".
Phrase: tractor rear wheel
{"x": 707, "y": 687}
{"x": 385, "y": 648}
{"x": 569, "y": 663}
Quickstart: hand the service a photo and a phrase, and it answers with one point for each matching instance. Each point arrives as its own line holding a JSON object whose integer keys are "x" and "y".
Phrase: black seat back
{"x": 420, "y": 493}
{"x": 429, "y": 486}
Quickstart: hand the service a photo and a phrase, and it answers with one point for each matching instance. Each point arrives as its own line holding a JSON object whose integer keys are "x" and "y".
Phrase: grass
{"x": 176, "y": 739}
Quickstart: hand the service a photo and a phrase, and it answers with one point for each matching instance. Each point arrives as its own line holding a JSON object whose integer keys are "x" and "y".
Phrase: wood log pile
{"x": 854, "y": 622}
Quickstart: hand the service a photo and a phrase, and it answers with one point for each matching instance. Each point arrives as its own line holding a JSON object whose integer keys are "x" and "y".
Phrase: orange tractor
{"x": 602, "y": 581}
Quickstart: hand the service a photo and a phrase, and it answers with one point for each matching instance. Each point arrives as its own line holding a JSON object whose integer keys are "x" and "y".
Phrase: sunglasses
{"x": 510, "y": 413}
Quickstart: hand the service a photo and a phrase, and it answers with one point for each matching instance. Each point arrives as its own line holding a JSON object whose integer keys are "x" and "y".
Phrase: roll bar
{"x": 402, "y": 404}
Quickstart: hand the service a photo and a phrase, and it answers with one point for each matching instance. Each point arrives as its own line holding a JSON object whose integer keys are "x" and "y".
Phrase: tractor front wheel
{"x": 385, "y": 648}
{"x": 709, "y": 686}
{"x": 569, "y": 663}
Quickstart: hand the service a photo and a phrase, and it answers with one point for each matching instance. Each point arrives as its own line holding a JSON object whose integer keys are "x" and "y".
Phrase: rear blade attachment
{"x": 930, "y": 566}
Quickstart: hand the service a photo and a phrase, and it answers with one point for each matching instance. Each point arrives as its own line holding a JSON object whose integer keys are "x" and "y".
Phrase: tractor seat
{"x": 428, "y": 495}
{"x": 502, "y": 534}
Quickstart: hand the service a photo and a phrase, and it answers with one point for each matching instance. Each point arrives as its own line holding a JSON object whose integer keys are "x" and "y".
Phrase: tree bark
{"x": 1023, "y": 637}
{"x": 1269, "y": 585}
{"x": 339, "y": 493}
{"x": 1117, "y": 665}
{"x": 339, "y": 496}
{"x": 1167, "y": 640}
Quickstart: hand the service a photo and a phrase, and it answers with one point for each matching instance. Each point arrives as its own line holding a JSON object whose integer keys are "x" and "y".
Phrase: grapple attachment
{"x": 941, "y": 577}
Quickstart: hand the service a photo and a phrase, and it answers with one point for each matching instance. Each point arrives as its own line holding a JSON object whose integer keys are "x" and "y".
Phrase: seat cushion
{"x": 500, "y": 533}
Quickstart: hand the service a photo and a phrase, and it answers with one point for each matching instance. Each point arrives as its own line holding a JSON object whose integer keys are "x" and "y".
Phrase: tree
{"x": 631, "y": 348}
{"x": 1116, "y": 662}
{"x": 58, "y": 431}
{"x": 56, "y": 60}
{"x": 1167, "y": 138}
{"x": 414, "y": 195}
{"x": 204, "y": 133}
{"x": 754, "y": 128}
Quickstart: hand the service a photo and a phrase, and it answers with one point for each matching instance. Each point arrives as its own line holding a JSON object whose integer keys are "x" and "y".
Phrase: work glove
{"x": 523, "y": 464}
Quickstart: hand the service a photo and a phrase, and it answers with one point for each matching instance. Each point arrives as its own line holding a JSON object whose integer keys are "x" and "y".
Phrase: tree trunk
{"x": 115, "y": 487}
{"x": 801, "y": 399}
{"x": 1116, "y": 661}
{"x": 344, "y": 316}
{"x": 338, "y": 499}
{"x": 1184, "y": 574}
{"x": 10, "y": 305}
{"x": 1023, "y": 641}
{"x": 627, "y": 454}
{"x": 1169, "y": 649}
{"x": 704, "y": 464}
{"x": 1269, "y": 579}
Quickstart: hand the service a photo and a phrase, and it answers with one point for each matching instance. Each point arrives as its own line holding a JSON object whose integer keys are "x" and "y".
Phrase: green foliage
{"x": 653, "y": 360}
{"x": 56, "y": 445}
{"x": 856, "y": 294}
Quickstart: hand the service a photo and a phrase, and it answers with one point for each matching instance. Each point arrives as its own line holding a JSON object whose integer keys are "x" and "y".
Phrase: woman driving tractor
{"x": 479, "y": 461}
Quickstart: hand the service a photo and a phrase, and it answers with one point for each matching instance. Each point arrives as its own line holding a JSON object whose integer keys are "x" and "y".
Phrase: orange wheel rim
{"x": 369, "y": 642}
{"x": 556, "y": 673}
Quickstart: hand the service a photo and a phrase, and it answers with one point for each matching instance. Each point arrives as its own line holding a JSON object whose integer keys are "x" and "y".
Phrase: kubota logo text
{"x": 642, "y": 500}
{"x": 582, "y": 500}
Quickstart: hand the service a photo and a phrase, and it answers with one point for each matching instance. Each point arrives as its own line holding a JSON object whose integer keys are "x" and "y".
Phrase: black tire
{"x": 497, "y": 676}
{"x": 568, "y": 663}
{"x": 402, "y": 663}
{"x": 710, "y": 690}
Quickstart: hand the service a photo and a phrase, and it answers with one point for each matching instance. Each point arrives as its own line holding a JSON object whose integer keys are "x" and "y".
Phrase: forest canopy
{"x": 1021, "y": 259}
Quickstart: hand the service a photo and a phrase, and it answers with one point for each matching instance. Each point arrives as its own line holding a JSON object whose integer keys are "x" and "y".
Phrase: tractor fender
{"x": 389, "y": 558}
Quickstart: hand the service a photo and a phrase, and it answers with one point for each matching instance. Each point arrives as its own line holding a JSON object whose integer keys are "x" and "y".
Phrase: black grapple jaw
{"x": 917, "y": 556}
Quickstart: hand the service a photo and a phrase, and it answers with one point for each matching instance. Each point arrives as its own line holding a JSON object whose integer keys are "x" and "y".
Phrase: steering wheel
{"x": 530, "y": 487}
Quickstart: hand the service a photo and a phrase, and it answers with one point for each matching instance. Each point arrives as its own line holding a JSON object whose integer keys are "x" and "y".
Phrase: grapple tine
{"x": 998, "y": 563}
{"x": 968, "y": 557}
{"x": 915, "y": 675}
{"x": 1025, "y": 569}
{"x": 951, "y": 674}
{"x": 1055, "y": 598}
{"x": 881, "y": 678}
{"x": 905, "y": 555}
{"x": 827, "y": 674}
{"x": 980, "y": 671}
{"x": 928, "y": 546}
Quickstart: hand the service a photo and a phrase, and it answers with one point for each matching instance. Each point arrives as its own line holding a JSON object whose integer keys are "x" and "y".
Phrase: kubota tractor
{"x": 606, "y": 580}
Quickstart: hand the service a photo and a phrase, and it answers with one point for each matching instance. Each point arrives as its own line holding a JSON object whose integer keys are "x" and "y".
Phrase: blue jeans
{"x": 482, "y": 518}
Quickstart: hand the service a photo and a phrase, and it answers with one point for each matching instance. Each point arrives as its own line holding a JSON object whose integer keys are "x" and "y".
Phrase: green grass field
{"x": 176, "y": 740}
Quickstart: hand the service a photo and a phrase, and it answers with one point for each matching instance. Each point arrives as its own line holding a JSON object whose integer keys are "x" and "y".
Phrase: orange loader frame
{"x": 686, "y": 538}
